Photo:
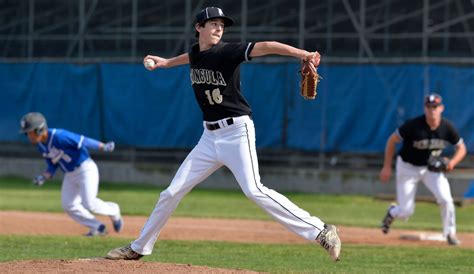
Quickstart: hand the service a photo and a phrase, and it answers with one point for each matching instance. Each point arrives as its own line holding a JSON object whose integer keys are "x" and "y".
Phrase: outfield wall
{"x": 357, "y": 108}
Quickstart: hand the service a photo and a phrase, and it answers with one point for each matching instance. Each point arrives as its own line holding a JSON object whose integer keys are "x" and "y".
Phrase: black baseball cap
{"x": 211, "y": 13}
{"x": 433, "y": 99}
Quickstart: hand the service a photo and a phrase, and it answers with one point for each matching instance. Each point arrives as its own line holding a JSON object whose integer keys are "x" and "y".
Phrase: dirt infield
{"x": 107, "y": 266}
{"x": 243, "y": 231}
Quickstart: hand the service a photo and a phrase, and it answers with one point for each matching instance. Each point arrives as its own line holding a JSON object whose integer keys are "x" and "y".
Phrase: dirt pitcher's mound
{"x": 107, "y": 266}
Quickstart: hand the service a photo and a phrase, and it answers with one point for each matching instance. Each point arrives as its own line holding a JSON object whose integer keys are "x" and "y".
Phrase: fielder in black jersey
{"x": 422, "y": 137}
{"x": 420, "y": 141}
{"x": 228, "y": 138}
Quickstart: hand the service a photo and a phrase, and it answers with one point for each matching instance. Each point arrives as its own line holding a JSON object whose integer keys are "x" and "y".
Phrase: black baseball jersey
{"x": 419, "y": 141}
{"x": 215, "y": 77}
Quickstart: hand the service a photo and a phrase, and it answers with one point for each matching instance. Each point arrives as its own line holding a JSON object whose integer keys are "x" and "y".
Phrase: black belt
{"x": 214, "y": 126}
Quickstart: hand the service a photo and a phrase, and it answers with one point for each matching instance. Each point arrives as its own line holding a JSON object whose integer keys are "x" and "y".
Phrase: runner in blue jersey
{"x": 69, "y": 152}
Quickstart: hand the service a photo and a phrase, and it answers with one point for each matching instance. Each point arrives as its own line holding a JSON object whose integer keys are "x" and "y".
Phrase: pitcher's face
{"x": 212, "y": 31}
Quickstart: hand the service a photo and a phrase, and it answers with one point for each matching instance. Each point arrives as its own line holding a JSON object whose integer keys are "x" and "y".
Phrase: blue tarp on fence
{"x": 357, "y": 107}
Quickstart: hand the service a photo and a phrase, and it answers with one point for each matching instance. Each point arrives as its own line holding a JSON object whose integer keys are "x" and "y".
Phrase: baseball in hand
{"x": 149, "y": 63}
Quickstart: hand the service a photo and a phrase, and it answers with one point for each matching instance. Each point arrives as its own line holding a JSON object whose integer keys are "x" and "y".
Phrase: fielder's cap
{"x": 32, "y": 121}
{"x": 433, "y": 99}
{"x": 211, "y": 13}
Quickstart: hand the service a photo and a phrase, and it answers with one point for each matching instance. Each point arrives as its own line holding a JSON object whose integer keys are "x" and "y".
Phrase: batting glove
{"x": 109, "y": 146}
{"x": 39, "y": 180}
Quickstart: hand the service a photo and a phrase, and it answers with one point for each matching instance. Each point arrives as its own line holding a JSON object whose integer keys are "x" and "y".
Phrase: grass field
{"x": 19, "y": 194}
{"x": 274, "y": 258}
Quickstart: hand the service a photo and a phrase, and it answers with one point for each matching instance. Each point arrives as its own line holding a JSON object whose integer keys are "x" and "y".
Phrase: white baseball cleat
{"x": 329, "y": 239}
{"x": 123, "y": 253}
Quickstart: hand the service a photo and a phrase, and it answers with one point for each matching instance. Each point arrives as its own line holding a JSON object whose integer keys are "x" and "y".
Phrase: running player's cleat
{"x": 100, "y": 231}
{"x": 388, "y": 219}
{"x": 123, "y": 253}
{"x": 117, "y": 223}
{"x": 329, "y": 239}
{"x": 452, "y": 240}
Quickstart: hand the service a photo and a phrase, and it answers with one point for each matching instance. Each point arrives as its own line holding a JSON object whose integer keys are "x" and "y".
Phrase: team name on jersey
{"x": 206, "y": 76}
{"x": 429, "y": 144}
{"x": 57, "y": 154}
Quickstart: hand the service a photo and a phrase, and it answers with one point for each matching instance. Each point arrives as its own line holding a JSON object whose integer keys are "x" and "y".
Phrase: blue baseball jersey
{"x": 63, "y": 149}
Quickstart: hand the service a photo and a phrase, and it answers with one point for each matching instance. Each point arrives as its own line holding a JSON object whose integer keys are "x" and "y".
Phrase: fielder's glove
{"x": 39, "y": 180}
{"x": 438, "y": 164}
{"x": 309, "y": 80}
{"x": 109, "y": 146}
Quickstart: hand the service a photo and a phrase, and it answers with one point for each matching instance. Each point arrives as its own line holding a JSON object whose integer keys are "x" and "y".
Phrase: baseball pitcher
{"x": 229, "y": 135}
{"x": 69, "y": 152}
{"x": 424, "y": 139}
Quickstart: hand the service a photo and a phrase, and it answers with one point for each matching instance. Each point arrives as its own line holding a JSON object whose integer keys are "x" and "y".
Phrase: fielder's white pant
{"x": 408, "y": 177}
{"x": 232, "y": 146}
{"x": 79, "y": 196}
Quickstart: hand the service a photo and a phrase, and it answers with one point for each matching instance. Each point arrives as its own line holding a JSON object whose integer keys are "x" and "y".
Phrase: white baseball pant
{"x": 79, "y": 196}
{"x": 232, "y": 146}
{"x": 408, "y": 176}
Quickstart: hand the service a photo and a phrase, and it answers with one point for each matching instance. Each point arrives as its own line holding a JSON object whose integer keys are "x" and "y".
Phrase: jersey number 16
{"x": 215, "y": 97}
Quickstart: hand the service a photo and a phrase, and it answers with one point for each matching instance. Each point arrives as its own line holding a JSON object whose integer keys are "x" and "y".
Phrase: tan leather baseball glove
{"x": 309, "y": 80}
